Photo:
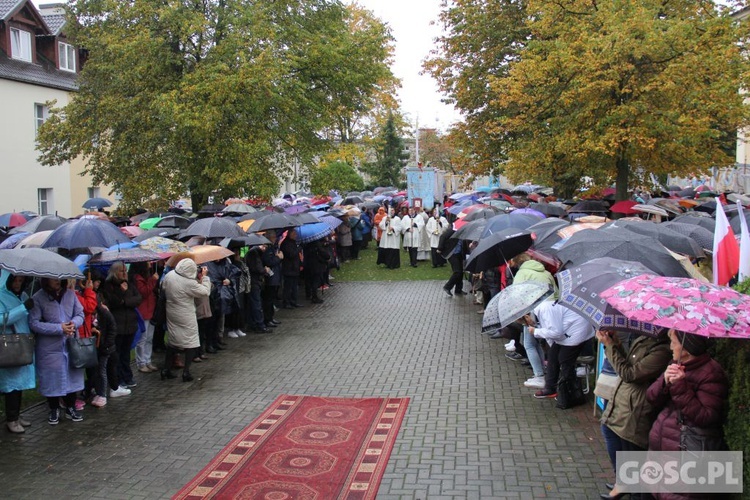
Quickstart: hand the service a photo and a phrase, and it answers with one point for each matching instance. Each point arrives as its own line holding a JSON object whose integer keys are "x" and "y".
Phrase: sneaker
{"x": 511, "y": 346}
{"x": 240, "y": 333}
{"x": 80, "y": 404}
{"x": 119, "y": 392}
{"x": 130, "y": 384}
{"x": 544, "y": 394}
{"x": 152, "y": 367}
{"x": 99, "y": 401}
{"x": 581, "y": 372}
{"x": 72, "y": 414}
{"x": 535, "y": 383}
{"x": 514, "y": 356}
{"x": 54, "y": 417}
{"x": 144, "y": 369}
{"x": 232, "y": 335}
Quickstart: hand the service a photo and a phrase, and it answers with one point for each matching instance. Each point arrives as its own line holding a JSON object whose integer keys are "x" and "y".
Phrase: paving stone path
{"x": 472, "y": 430}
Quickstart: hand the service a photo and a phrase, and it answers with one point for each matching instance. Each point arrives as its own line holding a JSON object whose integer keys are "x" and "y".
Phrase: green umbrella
{"x": 149, "y": 223}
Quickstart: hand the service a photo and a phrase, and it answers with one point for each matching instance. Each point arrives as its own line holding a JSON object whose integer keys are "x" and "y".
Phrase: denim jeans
{"x": 144, "y": 347}
{"x": 534, "y": 353}
{"x": 613, "y": 442}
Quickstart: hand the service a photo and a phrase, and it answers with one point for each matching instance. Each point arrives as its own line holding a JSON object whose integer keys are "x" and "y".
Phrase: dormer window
{"x": 20, "y": 44}
{"x": 67, "y": 56}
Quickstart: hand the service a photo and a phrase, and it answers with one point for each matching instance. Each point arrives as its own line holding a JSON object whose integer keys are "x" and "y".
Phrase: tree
{"x": 615, "y": 90}
{"x": 391, "y": 158}
{"x": 212, "y": 95}
{"x": 338, "y": 176}
{"x": 436, "y": 149}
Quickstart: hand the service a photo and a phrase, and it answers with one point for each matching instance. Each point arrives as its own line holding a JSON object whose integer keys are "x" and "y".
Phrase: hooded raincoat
{"x": 18, "y": 378}
{"x": 182, "y": 289}
{"x": 56, "y": 376}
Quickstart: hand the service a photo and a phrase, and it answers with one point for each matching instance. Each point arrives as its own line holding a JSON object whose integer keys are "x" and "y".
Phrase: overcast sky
{"x": 409, "y": 21}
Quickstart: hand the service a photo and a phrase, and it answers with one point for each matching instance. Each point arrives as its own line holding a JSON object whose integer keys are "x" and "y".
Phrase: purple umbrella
{"x": 530, "y": 211}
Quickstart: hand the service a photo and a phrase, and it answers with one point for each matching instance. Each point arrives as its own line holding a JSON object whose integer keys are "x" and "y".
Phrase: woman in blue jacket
{"x": 14, "y": 307}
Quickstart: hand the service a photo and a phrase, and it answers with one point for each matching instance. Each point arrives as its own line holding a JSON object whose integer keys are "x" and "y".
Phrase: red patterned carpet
{"x": 305, "y": 447}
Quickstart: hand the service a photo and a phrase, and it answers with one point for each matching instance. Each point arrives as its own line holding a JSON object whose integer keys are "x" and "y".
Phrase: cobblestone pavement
{"x": 471, "y": 431}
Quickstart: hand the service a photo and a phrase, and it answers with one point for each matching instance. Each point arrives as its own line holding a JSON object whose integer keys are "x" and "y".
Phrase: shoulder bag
{"x": 699, "y": 438}
{"x": 82, "y": 352}
{"x": 16, "y": 349}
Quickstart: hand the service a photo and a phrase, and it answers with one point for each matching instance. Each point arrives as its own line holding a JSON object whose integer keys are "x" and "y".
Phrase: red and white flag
{"x": 726, "y": 258}
{"x": 744, "y": 245}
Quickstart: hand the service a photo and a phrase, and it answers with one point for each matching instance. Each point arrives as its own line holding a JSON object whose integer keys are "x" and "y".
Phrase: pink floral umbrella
{"x": 685, "y": 304}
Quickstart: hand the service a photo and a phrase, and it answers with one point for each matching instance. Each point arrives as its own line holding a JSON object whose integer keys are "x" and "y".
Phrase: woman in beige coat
{"x": 182, "y": 286}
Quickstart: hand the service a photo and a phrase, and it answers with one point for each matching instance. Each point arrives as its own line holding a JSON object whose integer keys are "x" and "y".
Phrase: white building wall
{"x": 21, "y": 175}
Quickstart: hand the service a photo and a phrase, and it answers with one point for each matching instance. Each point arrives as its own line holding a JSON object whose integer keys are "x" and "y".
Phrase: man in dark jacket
{"x": 317, "y": 258}
{"x": 271, "y": 258}
{"x": 254, "y": 261}
{"x": 290, "y": 269}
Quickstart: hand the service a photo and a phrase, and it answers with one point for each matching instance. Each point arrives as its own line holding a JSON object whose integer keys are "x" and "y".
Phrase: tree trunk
{"x": 623, "y": 173}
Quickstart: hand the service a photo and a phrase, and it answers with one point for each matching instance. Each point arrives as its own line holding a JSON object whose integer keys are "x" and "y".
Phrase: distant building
{"x": 37, "y": 65}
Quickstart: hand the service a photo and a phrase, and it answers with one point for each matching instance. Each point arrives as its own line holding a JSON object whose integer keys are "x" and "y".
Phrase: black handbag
{"x": 569, "y": 394}
{"x": 160, "y": 311}
{"x": 700, "y": 439}
{"x": 82, "y": 353}
{"x": 16, "y": 349}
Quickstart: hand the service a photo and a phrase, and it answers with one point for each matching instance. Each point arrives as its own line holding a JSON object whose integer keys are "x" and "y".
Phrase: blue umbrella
{"x": 312, "y": 232}
{"x": 13, "y": 240}
{"x": 96, "y": 203}
{"x": 84, "y": 233}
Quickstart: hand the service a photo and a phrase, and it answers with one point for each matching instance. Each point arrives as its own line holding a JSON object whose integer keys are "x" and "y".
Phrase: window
{"x": 93, "y": 192}
{"x": 41, "y": 112}
{"x": 20, "y": 44}
{"x": 67, "y": 56}
{"x": 44, "y": 199}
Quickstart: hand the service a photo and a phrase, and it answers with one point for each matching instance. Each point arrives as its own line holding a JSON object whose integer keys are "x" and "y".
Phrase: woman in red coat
{"x": 693, "y": 387}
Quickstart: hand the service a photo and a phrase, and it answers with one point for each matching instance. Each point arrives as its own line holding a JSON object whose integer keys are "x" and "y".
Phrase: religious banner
{"x": 420, "y": 183}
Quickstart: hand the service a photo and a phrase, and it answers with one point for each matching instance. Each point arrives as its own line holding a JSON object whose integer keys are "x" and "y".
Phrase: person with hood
{"x": 14, "y": 307}
{"x": 412, "y": 226}
{"x": 56, "y": 316}
{"x": 693, "y": 392}
{"x": 435, "y": 227}
{"x": 357, "y": 226}
{"x": 532, "y": 270}
{"x": 123, "y": 299}
{"x": 390, "y": 241}
{"x": 182, "y": 287}
{"x": 376, "y": 220}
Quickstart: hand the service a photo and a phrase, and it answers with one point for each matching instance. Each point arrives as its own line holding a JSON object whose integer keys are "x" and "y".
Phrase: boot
{"x": 165, "y": 374}
{"x": 186, "y": 377}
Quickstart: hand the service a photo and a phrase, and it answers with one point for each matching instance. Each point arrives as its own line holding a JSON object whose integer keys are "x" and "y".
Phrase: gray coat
{"x": 181, "y": 289}
{"x": 56, "y": 376}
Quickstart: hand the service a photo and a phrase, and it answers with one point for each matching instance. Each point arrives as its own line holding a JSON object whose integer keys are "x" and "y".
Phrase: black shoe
{"x": 186, "y": 377}
{"x": 607, "y": 496}
{"x": 270, "y": 325}
{"x": 276, "y": 323}
{"x": 460, "y": 292}
{"x": 219, "y": 347}
{"x": 317, "y": 301}
{"x": 446, "y": 290}
{"x": 72, "y": 414}
{"x": 298, "y": 305}
{"x": 165, "y": 374}
{"x": 221, "y": 342}
{"x": 261, "y": 330}
{"x": 287, "y": 307}
{"x": 514, "y": 356}
{"x": 211, "y": 350}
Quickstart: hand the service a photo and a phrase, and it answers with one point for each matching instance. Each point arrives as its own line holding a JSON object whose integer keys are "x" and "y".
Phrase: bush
{"x": 734, "y": 356}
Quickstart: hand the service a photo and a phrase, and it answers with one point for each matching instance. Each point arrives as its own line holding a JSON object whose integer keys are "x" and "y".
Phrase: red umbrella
{"x": 624, "y": 207}
{"x": 13, "y": 219}
{"x": 131, "y": 231}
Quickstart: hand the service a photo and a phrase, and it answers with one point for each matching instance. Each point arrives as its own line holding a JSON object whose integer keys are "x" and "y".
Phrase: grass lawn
{"x": 365, "y": 269}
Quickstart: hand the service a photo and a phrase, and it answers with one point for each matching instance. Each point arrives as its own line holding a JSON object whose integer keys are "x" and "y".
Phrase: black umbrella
{"x": 305, "y": 218}
{"x": 85, "y": 233}
{"x": 274, "y": 221}
{"x": 471, "y": 231}
{"x": 702, "y": 236}
{"x": 352, "y": 200}
{"x": 511, "y": 220}
{"x": 498, "y": 248}
{"x": 174, "y": 221}
{"x": 251, "y": 240}
{"x": 735, "y": 222}
{"x": 41, "y": 223}
{"x": 164, "y": 232}
{"x": 548, "y": 209}
{"x": 624, "y": 245}
{"x": 677, "y": 242}
{"x": 96, "y": 203}
{"x": 482, "y": 213}
{"x": 369, "y": 205}
{"x": 211, "y": 208}
{"x": 257, "y": 215}
{"x": 686, "y": 193}
{"x": 213, "y": 227}
{"x": 699, "y": 218}
{"x": 545, "y": 233}
{"x": 589, "y": 206}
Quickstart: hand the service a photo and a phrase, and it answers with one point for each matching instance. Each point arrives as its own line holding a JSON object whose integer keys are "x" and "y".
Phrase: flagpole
{"x": 744, "y": 245}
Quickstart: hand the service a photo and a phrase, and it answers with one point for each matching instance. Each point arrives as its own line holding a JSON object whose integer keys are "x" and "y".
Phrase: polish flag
{"x": 726, "y": 258}
{"x": 744, "y": 245}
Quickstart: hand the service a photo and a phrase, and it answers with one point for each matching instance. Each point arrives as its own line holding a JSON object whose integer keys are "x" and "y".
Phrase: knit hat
{"x": 694, "y": 344}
